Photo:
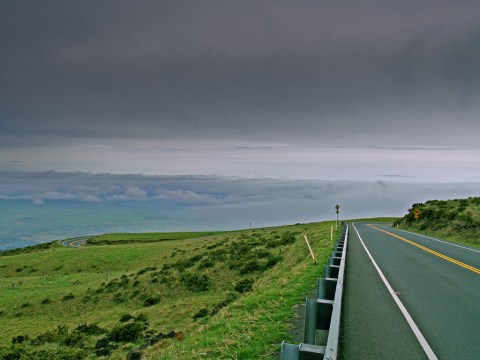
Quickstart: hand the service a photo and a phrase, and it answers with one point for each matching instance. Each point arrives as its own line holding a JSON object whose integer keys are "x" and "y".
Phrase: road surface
{"x": 74, "y": 242}
{"x": 436, "y": 282}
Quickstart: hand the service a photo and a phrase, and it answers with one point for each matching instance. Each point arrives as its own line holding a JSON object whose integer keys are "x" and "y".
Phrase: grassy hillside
{"x": 457, "y": 220}
{"x": 220, "y": 296}
{"x": 124, "y": 238}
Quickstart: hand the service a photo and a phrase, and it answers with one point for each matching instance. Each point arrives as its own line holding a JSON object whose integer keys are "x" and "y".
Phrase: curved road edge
{"x": 74, "y": 242}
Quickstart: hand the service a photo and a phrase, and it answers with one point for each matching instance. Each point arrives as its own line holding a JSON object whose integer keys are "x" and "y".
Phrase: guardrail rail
{"x": 323, "y": 313}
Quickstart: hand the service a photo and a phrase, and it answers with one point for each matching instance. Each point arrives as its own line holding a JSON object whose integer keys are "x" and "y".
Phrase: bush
{"x": 89, "y": 329}
{"x": 195, "y": 282}
{"x": 74, "y": 339}
{"x": 127, "y": 332}
{"x": 231, "y": 297}
{"x": 46, "y": 301}
{"x": 244, "y": 285}
{"x": 103, "y": 347}
{"x": 250, "y": 266}
{"x": 141, "y": 318}
{"x": 271, "y": 261}
{"x": 206, "y": 263}
{"x": 287, "y": 238}
{"x": 151, "y": 300}
{"x": 201, "y": 313}
{"x": 50, "y": 336}
{"x": 125, "y": 317}
{"x": 67, "y": 297}
{"x": 144, "y": 270}
{"x": 20, "y": 339}
{"x": 119, "y": 298}
{"x": 185, "y": 264}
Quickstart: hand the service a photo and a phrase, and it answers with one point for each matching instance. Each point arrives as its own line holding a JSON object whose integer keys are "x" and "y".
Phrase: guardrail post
{"x": 331, "y": 271}
{"x": 310, "y": 321}
{"x": 289, "y": 351}
{"x": 332, "y": 260}
{"x": 326, "y": 288}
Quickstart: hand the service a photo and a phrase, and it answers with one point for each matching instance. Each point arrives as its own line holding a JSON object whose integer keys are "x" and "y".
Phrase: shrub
{"x": 271, "y": 261}
{"x": 103, "y": 347}
{"x": 141, "y": 318}
{"x": 144, "y": 270}
{"x": 67, "y": 297}
{"x": 151, "y": 300}
{"x": 287, "y": 238}
{"x": 127, "y": 332}
{"x": 231, "y": 297}
{"x": 90, "y": 329}
{"x": 74, "y": 339}
{"x": 20, "y": 339}
{"x": 201, "y": 313}
{"x": 46, "y": 337}
{"x": 46, "y": 301}
{"x": 206, "y": 263}
{"x": 250, "y": 266}
{"x": 195, "y": 282}
{"x": 182, "y": 265}
{"x": 119, "y": 298}
{"x": 125, "y": 317}
{"x": 244, "y": 285}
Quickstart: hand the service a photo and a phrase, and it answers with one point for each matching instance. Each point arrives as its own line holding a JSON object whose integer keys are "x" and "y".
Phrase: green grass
{"x": 186, "y": 285}
{"x": 115, "y": 238}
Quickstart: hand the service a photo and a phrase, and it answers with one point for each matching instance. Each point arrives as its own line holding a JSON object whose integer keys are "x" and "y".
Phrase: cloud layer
{"x": 252, "y": 196}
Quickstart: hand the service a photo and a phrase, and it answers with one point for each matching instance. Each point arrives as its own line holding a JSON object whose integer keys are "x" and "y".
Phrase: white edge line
{"x": 432, "y": 238}
{"x": 421, "y": 339}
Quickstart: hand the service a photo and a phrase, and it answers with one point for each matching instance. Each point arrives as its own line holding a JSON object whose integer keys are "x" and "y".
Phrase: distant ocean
{"x": 23, "y": 223}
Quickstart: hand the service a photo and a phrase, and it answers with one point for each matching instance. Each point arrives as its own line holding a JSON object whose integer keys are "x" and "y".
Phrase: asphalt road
{"x": 437, "y": 283}
{"x": 74, "y": 242}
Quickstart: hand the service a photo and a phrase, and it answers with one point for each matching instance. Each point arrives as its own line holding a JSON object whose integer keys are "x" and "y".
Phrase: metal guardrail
{"x": 323, "y": 313}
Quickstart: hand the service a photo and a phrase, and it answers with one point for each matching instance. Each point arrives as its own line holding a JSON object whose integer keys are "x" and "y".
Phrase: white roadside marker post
{"x": 310, "y": 248}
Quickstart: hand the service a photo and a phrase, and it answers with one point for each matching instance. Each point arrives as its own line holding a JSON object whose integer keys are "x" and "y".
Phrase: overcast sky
{"x": 354, "y": 90}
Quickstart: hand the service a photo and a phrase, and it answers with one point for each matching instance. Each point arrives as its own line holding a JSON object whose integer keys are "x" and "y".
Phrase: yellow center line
{"x": 459, "y": 263}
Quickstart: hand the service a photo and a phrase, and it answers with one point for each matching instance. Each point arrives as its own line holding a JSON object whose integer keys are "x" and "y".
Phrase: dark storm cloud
{"x": 158, "y": 69}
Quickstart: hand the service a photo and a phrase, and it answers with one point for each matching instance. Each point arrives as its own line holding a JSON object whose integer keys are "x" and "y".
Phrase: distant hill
{"x": 457, "y": 219}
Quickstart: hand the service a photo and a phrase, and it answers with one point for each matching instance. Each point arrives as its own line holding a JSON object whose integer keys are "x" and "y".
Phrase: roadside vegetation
{"x": 201, "y": 296}
{"x": 457, "y": 220}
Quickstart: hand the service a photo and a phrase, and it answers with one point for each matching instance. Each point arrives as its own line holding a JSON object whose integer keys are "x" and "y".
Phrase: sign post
{"x": 337, "y": 210}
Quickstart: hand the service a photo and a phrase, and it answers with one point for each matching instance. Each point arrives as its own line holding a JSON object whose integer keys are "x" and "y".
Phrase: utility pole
{"x": 337, "y": 210}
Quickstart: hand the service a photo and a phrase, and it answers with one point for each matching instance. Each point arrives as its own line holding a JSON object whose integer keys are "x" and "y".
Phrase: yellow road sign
{"x": 416, "y": 214}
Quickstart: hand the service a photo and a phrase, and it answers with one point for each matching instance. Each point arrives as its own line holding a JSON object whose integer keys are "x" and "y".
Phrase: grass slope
{"x": 114, "y": 238}
{"x": 456, "y": 220}
{"x": 221, "y": 296}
